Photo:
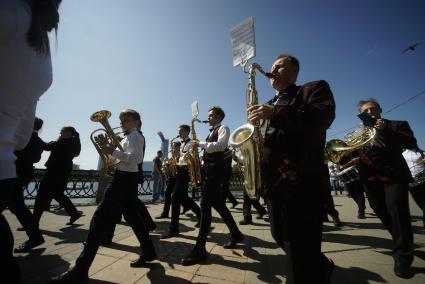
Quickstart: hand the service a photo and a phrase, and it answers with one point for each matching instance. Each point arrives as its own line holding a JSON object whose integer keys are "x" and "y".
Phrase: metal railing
{"x": 84, "y": 184}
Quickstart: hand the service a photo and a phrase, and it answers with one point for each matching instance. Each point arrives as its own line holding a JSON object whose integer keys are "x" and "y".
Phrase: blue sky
{"x": 158, "y": 56}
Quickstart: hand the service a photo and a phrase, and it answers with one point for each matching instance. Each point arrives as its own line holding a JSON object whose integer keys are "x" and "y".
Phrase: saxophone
{"x": 247, "y": 139}
{"x": 169, "y": 167}
{"x": 193, "y": 161}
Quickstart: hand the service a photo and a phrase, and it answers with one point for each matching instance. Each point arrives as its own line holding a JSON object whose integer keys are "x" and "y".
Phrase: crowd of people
{"x": 296, "y": 179}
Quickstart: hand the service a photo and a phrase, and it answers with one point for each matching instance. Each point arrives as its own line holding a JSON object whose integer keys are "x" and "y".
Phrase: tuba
{"x": 338, "y": 150}
{"x": 109, "y": 165}
{"x": 169, "y": 167}
{"x": 247, "y": 138}
{"x": 193, "y": 161}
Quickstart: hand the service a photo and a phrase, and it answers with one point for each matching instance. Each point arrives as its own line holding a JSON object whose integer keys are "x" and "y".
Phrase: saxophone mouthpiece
{"x": 270, "y": 75}
{"x": 205, "y": 121}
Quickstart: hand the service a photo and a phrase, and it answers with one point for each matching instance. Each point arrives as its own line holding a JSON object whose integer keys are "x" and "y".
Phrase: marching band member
{"x": 212, "y": 194}
{"x": 179, "y": 194}
{"x": 122, "y": 192}
{"x": 294, "y": 126}
{"x": 170, "y": 182}
{"x": 386, "y": 178}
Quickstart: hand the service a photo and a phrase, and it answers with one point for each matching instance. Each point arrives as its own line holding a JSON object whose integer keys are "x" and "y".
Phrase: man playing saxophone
{"x": 294, "y": 125}
{"x": 179, "y": 194}
{"x": 212, "y": 189}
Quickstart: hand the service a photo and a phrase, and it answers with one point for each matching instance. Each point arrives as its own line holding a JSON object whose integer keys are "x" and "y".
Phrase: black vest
{"x": 215, "y": 157}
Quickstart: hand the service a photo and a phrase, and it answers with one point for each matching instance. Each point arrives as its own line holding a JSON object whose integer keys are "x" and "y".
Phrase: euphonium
{"x": 109, "y": 165}
{"x": 193, "y": 161}
{"x": 169, "y": 167}
{"x": 247, "y": 139}
{"x": 338, "y": 150}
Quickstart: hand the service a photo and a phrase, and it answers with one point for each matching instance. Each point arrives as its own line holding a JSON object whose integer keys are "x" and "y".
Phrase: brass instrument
{"x": 169, "y": 167}
{"x": 193, "y": 161}
{"x": 336, "y": 150}
{"x": 109, "y": 165}
{"x": 247, "y": 139}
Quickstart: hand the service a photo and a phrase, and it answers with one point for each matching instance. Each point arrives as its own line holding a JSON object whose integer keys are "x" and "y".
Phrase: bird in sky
{"x": 411, "y": 48}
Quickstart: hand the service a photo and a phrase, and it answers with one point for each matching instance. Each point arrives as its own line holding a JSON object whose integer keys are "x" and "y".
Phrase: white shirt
{"x": 415, "y": 161}
{"x": 186, "y": 146}
{"x": 221, "y": 144}
{"x": 132, "y": 155}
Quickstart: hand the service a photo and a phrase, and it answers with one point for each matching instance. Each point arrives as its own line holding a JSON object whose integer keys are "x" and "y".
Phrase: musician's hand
{"x": 195, "y": 142}
{"x": 380, "y": 123}
{"x": 257, "y": 112}
{"x": 107, "y": 149}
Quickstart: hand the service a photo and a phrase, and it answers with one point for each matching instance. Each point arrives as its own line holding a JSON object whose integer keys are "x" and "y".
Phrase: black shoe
{"x": 402, "y": 270}
{"x": 30, "y": 244}
{"x": 72, "y": 276}
{"x": 233, "y": 241}
{"x": 245, "y": 222}
{"x": 143, "y": 259}
{"x": 152, "y": 227}
{"x": 261, "y": 215}
{"x": 234, "y": 205}
{"x": 169, "y": 235}
{"x": 196, "y": 256}
{"x": 198, "y": 224}
{"x": 162, "y": 216}
{"x": 74, "y": 218}
{"x": 336, "y": 221}
{"x": 361, "y": 215}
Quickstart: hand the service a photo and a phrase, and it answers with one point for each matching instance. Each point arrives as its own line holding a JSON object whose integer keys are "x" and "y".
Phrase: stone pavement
{"x": 361, "y": 250}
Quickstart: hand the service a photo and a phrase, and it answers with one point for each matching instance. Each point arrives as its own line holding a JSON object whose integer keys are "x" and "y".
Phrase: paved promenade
{"x": 361, "y": 250}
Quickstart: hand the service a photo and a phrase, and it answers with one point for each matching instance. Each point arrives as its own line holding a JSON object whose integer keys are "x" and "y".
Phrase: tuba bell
{"x": 338, "y": 150}
{"x": 109, "y": 165}
{"x": 247, "y": 139}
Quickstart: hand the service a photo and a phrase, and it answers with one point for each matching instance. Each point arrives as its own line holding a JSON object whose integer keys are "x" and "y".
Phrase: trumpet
{"x": 111, "y": 137}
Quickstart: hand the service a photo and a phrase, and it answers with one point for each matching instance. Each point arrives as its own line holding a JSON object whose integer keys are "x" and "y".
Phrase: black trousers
{"x": 390, "y": 202}
{"x": 9, "y": 265}
{"x": 355, "y": 189}
{"x": 247, "y": 203}
{"x": 179, "y": 196}
{"x": 330, "y": 206}
{"x": 226, "y": 184}
{"x": 171, "y": 183}
{"x": 25, "y": 217}
{"x": 141, "y": 209}
{"x": 53, "y": 187}
{"x": 212, "y": 196}
{"x": 296, "y": 226}
{"x": 121, "y": 193}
